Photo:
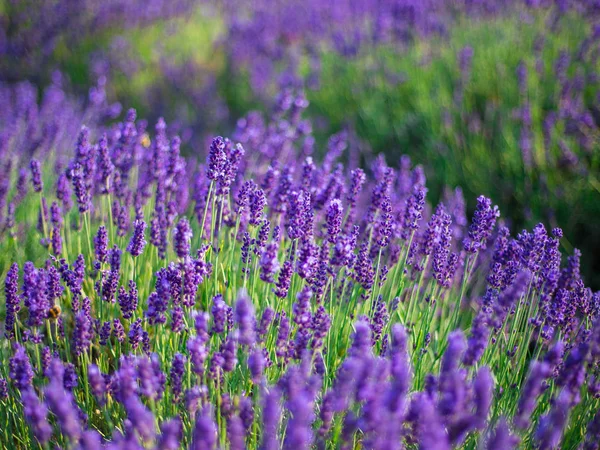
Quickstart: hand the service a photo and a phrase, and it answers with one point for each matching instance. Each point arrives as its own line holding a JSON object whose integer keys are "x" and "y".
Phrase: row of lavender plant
{"x": 262, "y": 300}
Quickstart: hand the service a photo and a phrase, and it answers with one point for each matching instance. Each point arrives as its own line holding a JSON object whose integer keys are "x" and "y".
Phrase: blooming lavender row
{"x": 261, "y": 299}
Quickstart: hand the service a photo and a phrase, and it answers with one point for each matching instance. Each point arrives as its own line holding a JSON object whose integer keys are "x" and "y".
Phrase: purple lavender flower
{"x": 539, "y": 372}
{"x": 483, "y": 387}
{"x": 13, "y": 301}
{"x": 83, "y": 333}
{"x": 36, "y": 415}
{"x": 229, "y": 353}
{"x": 177, "y": 320}
{"x": 551, "y": 426}
{"x": 63, "y": 192}
{"x": 176, "y": 374}
{"x": 101, "y": 244}
{"x": 36, "y": 175}
{"x": 56, "y": 218}
{"x": 138, "y": 240}
{"x": 36, "y": 297}
{"x": 256, "y": 364}
{"x": 430, "y": 431}
{"x": 219, "y": 313}
{"x": 257, "y": 206}
{"x": 97, "y": 383}
{"x": 502, "y": 439}
{"x": 118, "y": 330}
{"x": 334, "y": 219}
{"x": 265, "y": 321}
{"x": 271, "y": 419}
{"x": 62, "y": 405}
{"x": 235, "y": 434}
{"x": 413, "y": 211}
{"x": 284, "y": 279}
{"x": 170, "y": 434}
{"x": 182, "y": 237}
{"x": 56, "y": 241}
{"x": 244, "y": 318}
{"x": 358, "y": 178}
{"x": 141, "y": 418}
{"x": 217, "y": 159}
{"x": 204, "y": 436}
{"x": 269, "y": 264}
{"x": 482, "y": 225}
{"x": 80, "y": 188}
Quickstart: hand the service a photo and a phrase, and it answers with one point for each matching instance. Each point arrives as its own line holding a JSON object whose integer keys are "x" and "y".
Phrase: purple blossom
{"x": 138, "y": 240}
{"x": 36, "y": 415}
{"x": 36, "y": 175}
{"x": 176, "y": 374}
{"x": 97, "y": 383}
{"x": 244, "y": 318}
{"x": 13, "y": 301}
{"x": 334, "y": 219}
{"x": 217, "y": 159}
{"x": 481, "y": 226}
{"x": 101, "y": 244}
{"x": 182, "y": 237}
{"x": 20, "y": 370}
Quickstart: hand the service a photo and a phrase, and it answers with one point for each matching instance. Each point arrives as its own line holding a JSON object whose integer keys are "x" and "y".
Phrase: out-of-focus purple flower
{"x": 82, "y": 333}
{"x": 36, "y": 415}
{"x": 229, "y": 352}
{"x": 271, "y": 418}
{"x": 502, "y": 438}
{"x": 97, "y": 383}
{"x": 63, "y": 192}
{"x": 170, "y": 434}
{"x": 20, "y": 370}
{"x": 62, "y": 405}
{"x": 204, "y": 436}
{"x": 219, "y": 313}
{"x": 256, "y": 364}
{"x": 265, "y": 321}
{"x": 235, "y": 434}
{"x": 141, "y": 418}
{"x": 532, "y": 388}
{"x": 269, "y": 264}
{"x": 551, "y": 426}
{"x": 483, "y": 387}
{"x": 430, "y": 430}
{"x": 244, "y": 318}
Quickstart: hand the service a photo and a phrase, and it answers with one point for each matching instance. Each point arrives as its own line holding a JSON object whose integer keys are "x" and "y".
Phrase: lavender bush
{"x": 259, "y": 297}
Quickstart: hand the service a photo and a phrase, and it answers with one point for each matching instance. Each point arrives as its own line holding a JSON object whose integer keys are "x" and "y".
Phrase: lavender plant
{"x": 262, "y": 299}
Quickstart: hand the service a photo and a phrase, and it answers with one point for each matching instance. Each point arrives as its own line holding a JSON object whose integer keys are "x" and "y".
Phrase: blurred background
{"x": 498, "y": 97}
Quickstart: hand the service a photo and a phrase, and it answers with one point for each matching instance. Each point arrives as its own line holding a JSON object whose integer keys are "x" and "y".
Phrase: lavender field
{"x": 300, "y": 225}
